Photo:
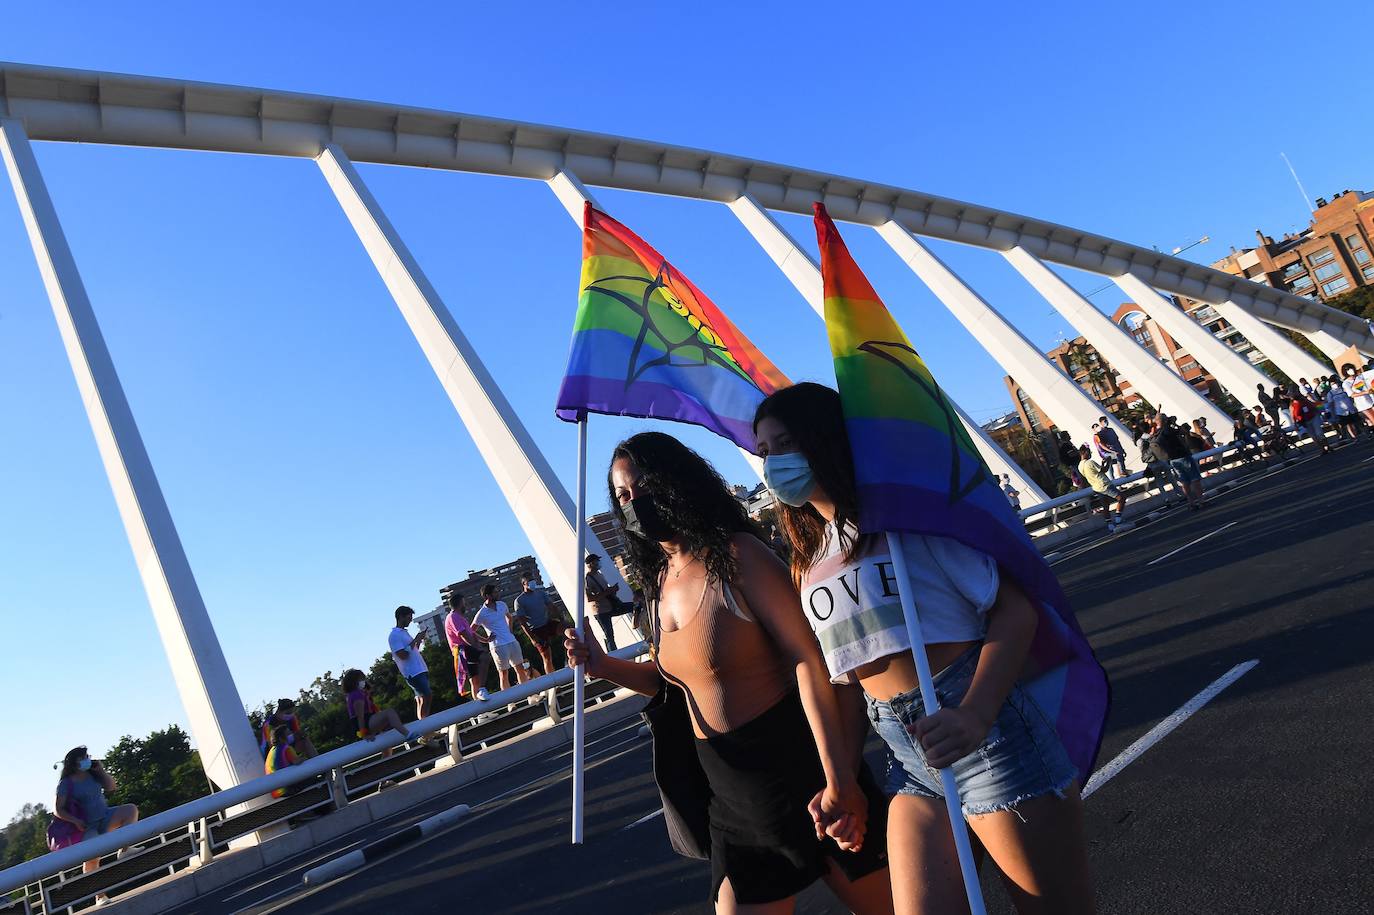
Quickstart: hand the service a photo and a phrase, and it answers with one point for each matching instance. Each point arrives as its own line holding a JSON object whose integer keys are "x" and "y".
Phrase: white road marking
{"x": 1367, "y": 460}
{"x": 643, "y": 819}
{"x": 1164, "y": 728}
{"x": 1190, "y": 543}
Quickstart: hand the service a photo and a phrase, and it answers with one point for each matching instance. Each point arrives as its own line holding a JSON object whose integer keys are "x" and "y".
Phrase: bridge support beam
{"x": 228, "y": 749}
{"x": 1233, "y": 371}
{"x": 536, "y": 496}
{"x": 1281, "y": 351}
{"x": 805, "y": 276}
{"x": 1067, "y": 404}
{"x": 1334, "y": 347}
{"x": 1153, "y": 380}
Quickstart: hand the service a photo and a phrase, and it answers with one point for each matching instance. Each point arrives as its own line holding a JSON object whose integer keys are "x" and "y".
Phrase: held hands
{"x": 950, "y": 734}
{"x": 585, "y": 650}
{"x": 841, "y": 812}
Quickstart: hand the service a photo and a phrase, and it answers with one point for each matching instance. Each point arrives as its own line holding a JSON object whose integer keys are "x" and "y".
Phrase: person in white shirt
{"x": 493, "y": 618}
{"x": 405, "y": 651}
{"x": 1360, "y": 386}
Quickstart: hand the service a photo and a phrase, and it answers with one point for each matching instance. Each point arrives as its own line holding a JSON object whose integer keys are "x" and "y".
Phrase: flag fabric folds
{"x": 648, "y": 343}
{"x": 917, "y": 470}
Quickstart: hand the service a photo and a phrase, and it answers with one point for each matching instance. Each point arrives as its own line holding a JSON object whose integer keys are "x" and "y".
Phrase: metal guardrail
{"x": 1082, "y": 495}
{"x": 199, "y": 828}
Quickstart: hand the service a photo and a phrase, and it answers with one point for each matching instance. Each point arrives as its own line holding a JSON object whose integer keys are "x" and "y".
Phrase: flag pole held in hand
{"x": 931, "y": 702}
{"x": 580, "y": 622}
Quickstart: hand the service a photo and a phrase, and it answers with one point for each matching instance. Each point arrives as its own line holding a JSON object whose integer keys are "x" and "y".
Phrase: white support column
{"x": 1281, "y": 351}
{"x": 1055, "y": 392}
{"x": 1150, "y": 378}
{"x": 1234, "y": 371}
{"x": 1334, "y": 347}
{"x": 228, "y": 749}
{"x": 798, "y": 266}
{"x": 536, "y": 496}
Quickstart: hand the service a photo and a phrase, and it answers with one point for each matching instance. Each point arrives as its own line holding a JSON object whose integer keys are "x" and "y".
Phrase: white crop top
{"x": 856, "y": 612}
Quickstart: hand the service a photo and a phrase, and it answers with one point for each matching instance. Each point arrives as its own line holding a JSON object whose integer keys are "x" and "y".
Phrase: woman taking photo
{"x": 1020, "y": 791}
{"x": 767, "y": 729}
{"x": 81, "y": 791}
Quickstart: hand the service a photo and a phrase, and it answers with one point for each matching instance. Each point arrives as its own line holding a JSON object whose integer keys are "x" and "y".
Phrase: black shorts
{"x": 762, "y": 777}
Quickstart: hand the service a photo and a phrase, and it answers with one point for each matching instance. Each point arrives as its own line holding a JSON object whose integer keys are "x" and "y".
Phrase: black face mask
{"x": 642, "y": 518}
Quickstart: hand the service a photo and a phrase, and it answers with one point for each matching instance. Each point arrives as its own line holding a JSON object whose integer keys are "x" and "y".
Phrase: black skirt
{"x": 762, "y": 777}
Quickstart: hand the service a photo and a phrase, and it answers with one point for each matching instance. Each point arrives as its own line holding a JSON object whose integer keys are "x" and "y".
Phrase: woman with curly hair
{"x": 81, "y": 800}
{"x": 368, "y": 721}
{"x": 1020, "y": 791}
{"x": 767, "y": 730}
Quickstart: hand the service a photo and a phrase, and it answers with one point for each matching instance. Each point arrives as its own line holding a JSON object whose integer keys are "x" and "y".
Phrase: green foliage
{"x": 157, "y": 772}
{"x": 26, "y": 836}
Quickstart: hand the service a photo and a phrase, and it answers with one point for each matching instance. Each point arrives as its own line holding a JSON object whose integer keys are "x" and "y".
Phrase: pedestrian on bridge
{"x": 368, "y": 720}
{"x": 535, "y": 613}
{"x": 82, "y": 803}
{"x": 494, "y": 619}
{"x": 470, "y": 663}
{"x": 405, "y": 651}
{"x": 748, "y": 731}
{"x": 1018, "y": 785}
{"x": 1103, "y": 489}
{"x": 1110, "y": 447}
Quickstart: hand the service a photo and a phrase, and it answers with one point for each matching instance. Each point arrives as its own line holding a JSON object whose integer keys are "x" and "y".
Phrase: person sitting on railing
{"x": 1246, "y": 436}
{"x": 81, "y": 801}
{"x": 280, "y": 754}
{"x": 285, "y": 715}
{"x": 368, "y": 720}
{"x": 1103, "y": 490}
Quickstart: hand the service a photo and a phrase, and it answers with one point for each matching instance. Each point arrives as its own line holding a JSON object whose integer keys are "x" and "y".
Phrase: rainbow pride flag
{"x": 648, "y": 343}
{"x": 917, "y": 470}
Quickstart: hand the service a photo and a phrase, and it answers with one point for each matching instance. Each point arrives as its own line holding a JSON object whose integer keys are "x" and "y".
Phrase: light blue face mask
{"x": 84, "y": 765}
{"x": 789, "y": 477}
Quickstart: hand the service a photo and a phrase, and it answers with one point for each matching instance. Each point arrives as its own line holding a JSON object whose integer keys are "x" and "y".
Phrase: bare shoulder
{"x": 754, "y": 556}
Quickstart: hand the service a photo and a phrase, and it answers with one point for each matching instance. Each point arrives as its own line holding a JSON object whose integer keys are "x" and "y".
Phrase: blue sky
{"x": 316, "y": 471}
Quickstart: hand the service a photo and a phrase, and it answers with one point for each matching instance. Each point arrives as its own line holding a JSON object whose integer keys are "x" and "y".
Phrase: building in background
{"x": 1081, "y": 361}
{"x": 506, "y": 577}
{"x": 1030, "y": 450}
{"x": 1325, "y": 260}
{"x": 608, "y": 530}
{"x": 1149, "y": 334}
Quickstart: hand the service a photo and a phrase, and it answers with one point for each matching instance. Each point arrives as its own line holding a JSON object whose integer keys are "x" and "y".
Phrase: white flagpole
{"x": 932, "y": 703}
{"x": 580, "y": 621}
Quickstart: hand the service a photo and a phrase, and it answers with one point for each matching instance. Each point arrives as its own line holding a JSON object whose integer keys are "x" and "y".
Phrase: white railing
{"x": 187, "y": 816}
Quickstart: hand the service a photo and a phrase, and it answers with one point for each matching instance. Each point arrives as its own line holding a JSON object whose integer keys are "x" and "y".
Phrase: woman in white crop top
{"x": 1020, "y": 791}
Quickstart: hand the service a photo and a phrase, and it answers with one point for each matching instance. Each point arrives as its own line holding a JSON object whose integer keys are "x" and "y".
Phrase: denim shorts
{"x": 1021, "y": 757}
{"x": 419, "y": 684}
{"x": 1185, "y": 468}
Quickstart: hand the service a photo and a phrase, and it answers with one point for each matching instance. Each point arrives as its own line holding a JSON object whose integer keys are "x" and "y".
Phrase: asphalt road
{"x": 1262, "y": 801}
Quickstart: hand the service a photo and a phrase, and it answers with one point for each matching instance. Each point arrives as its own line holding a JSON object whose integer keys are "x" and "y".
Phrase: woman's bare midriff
{"x": 887, "y": 677}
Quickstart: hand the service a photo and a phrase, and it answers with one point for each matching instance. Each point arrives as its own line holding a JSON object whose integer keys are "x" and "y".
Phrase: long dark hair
{"x": 72, "y": 761}
{"x": 813, "y": 416}
{"x": 351, "y": 678}
{"x": 692, "y": 499}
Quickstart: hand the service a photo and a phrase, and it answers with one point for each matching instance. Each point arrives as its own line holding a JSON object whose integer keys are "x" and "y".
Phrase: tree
{"x": 26, "y": 836}
{"x": 158, "y": 772}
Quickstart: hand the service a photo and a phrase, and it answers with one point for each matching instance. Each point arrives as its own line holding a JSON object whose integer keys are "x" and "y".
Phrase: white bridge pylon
{"x": 67, "y": 105}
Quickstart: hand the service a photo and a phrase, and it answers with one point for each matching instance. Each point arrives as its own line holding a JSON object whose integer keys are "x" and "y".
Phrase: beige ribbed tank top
{"x": 725, "y": 662}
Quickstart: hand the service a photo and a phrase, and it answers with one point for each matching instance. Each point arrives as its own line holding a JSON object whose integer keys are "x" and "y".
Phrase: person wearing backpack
{"x": 1170, "y": 445}
{"x": 82, "y": 805}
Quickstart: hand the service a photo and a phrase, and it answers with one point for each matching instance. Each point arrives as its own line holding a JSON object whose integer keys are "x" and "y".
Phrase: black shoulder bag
{"x": 682, "y": 783}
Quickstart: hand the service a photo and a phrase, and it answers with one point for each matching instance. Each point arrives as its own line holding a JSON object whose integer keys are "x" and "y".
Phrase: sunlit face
{"x": 773, "y": 437}
{"x": 626, "y": 480}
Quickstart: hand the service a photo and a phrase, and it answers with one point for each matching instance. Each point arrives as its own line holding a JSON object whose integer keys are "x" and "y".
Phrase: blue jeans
{"x": 1021, "y": 757}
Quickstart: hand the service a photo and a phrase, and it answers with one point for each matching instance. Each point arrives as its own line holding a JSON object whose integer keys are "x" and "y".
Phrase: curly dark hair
{"x": 693, "y": 500}
{"x": 814, "y": 418}
{"x": 351, "y": 678}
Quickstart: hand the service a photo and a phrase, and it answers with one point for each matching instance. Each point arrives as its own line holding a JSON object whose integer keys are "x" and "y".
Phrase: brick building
{"x": 1327, "y": 259}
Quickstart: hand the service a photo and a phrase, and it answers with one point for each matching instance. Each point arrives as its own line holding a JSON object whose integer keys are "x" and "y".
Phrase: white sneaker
{"x": 482, "y": 694}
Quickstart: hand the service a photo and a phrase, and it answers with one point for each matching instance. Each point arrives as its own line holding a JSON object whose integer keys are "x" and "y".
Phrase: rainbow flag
{"x": 917, "y": 470}
{"x": 648, "y": 343}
